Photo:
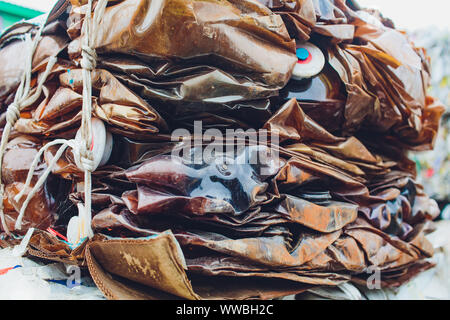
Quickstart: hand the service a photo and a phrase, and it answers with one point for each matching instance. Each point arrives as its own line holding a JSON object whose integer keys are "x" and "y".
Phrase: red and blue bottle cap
{"x": 310, "y": 61}
{"x": 303, "y": 55}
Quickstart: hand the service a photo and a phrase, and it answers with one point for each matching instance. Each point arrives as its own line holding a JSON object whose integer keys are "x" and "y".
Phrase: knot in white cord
{"x": 13, "y": 114}
{"x": 87, "y": 164}
{"x": 83, "y": 158}
{"x": 89, "y": 58}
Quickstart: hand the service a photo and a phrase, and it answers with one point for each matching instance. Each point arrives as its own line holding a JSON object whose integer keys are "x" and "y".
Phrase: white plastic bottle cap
{"x": 310, "y": 61}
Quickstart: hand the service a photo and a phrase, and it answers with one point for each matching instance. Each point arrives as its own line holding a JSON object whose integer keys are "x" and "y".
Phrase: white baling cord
{"x": 43, "y": 177}
{"x": 81, "y": 149}
{"x": 88, "y": 63}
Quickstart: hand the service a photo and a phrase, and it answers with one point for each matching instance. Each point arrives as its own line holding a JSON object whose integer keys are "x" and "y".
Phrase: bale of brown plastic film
{"x": 334, "y": 200}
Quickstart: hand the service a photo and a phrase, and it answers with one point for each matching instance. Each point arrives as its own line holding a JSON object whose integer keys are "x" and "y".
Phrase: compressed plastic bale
{"x": 341, "y": 178}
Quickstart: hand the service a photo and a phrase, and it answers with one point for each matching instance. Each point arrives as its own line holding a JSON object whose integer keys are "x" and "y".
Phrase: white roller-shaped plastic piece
{"x": 102, "y": 144}
{"x": 108, "y": 149}
{"x": 73, "y": 230}
{"x": 311, "y": 61}
{"x": 78, "y": 228}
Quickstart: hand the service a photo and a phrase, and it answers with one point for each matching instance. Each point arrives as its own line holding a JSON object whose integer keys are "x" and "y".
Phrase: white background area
{"x": 413, "y": 14}
{"x": 406, "y": 14}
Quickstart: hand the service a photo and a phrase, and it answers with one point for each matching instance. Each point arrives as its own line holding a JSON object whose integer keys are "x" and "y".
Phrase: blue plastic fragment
{"x": 71, "y": 81}
{"x": 73, "y": 246}
{"x": 66, "y": 283}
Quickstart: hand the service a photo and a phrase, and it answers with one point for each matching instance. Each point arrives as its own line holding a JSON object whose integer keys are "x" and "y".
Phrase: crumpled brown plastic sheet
{"x": 42, "y": 210}
{"x": 336, "y": 199}
{"x": 13, "y": 45}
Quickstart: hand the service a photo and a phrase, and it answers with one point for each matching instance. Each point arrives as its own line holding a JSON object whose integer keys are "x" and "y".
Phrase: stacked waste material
{"x": 341, "y": 93}
{"x": 434, "y": 166}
